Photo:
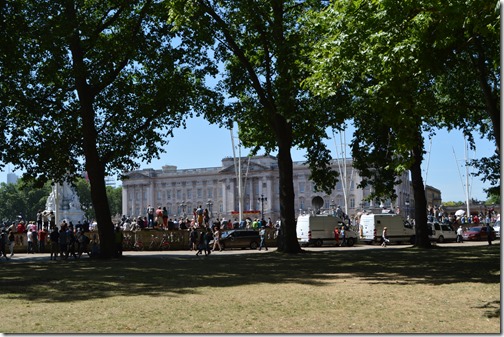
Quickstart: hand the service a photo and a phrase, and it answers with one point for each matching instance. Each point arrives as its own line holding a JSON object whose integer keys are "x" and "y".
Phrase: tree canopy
{"x": 261, "y": 48}
{"x": 93, "y": 86}
{"x": 395, "y": 58}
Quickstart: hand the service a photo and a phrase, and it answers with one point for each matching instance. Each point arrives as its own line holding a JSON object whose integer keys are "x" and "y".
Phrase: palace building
{"x": 217, "y": 189}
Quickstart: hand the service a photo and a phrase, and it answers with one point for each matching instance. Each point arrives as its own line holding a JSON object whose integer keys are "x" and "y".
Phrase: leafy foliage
{"x": 261, "y": 46}
{"x": 22, "y": 199}
{"x": 401, "y": 61}
{"x": 93, "y": 86}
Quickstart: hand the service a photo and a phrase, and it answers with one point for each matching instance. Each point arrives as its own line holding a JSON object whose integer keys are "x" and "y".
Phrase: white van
{"x": 398, "y": 229}
{"x": 315, "y": 229}
{"x": 441, "y": 232}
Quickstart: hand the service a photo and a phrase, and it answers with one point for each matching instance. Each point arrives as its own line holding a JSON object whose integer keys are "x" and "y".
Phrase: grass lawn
{"x": 441, "y": 290}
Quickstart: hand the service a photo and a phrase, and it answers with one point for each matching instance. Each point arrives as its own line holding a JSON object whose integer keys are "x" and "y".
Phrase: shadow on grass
{"x": 66, "y": 281}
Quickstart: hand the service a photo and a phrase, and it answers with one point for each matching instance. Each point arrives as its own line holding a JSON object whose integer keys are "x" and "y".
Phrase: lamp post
{"x": 183, "y": 206}
{"x": 262, "y": 199}
{"x": 209, "y": 205}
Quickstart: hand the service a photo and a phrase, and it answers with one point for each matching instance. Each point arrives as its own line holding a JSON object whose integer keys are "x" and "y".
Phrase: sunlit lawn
{"x": 442, "y": 290}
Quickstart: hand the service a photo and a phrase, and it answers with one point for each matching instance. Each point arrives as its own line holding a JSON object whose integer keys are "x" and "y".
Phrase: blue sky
{"x": 205, "y": 145}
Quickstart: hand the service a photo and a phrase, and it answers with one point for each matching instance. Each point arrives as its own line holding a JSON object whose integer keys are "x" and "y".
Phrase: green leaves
{"x": 406, "y": 62}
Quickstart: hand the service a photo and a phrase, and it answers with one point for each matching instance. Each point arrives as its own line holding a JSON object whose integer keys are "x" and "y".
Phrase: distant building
{"x": 216, "y": 188}
{"x": 12, "y": 178}
{"x": 110, "y": 181}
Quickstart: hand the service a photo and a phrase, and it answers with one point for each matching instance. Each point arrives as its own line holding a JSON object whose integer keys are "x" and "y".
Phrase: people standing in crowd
{"x": 42, "y": 237}
{"x": 206, "y": 217}
{"x": 39, "y": 220}
{"x": 29, "y": 240}
{"x": 460, "y": 232}
{"x": 54, "y": 239}
{"x": 255, "y": 224}
{"x": 385, "y": 240}
{"x": 11, "y": 241}
{"x": 45, "y": 219}
{"x": 139, "y": 223}
{"x": 262, "y": 235}
{"x": 35, "y": 239}
{"x": 21, "y": 227}
{"x": 119, "y": 238}
{"x": 83, "y": 243}
{"x": 165, "y": 218}
{"x": 52, "y": 220}
{"x": 193, "y": 238}
{"x": 150, "y": 216}
{"x": 199, "y": 216}
{"x": 3, "y": 242}
{"x": 72, "y": 242}
{"x": 63, "y": 242}
{"x": 159, "y": 217}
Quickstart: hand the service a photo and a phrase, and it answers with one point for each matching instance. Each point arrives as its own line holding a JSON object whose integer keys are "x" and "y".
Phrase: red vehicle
{"x": 478, "y": 233}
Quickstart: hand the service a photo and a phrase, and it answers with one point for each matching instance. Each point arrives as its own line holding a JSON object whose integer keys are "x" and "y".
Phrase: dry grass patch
{"x": 362, "y": 291}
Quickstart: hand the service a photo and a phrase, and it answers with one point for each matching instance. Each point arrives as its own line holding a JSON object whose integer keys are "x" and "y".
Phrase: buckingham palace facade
{"x": 216, "y": 188}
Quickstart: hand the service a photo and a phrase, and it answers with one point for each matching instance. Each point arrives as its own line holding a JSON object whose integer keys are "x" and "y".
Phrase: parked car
{"x": 441, "y": 232}
{"x": 238, "y": 238}
{"x": 496, "y": 228}
{"x": 478, "y": 233}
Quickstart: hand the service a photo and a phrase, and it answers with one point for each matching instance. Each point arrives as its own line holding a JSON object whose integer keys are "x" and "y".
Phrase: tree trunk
{"x": 94, "y": 165}
{"x": 289, "y": 242}
{"x": 96, "y": 175}
{"x": 422, "y": 233}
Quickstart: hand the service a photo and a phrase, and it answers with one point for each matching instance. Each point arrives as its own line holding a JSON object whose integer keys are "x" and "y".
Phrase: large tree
{"x": 261, "y": 50}
{"x": 90, "y": 86}
{"x": 22, "y": 199}
{"x": 391, "y": 56}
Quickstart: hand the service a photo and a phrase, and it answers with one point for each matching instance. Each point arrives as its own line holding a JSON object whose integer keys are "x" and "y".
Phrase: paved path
{"x": 186, "y": 253}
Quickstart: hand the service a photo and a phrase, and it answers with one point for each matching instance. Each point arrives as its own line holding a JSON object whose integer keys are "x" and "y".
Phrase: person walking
{"x": 489, "y": 231}
{"x": 201, "y": 243}
{"x": 385, "y": 240}
{"x": 208, "y": 238}
{"x": 262, "y": 235}
{"x": 343, "y": 236}
{"x": 460, "y": 232}
{"x": 216, "y": 237}
{"x": 336, "y": 235}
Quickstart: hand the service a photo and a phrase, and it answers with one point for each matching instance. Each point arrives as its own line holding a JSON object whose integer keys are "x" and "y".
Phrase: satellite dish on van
{"x": 317, "y": 203}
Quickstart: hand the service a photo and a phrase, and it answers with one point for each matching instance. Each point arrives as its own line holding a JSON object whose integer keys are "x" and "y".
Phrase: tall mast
{"x": 237, "y": 167}
{"x": 467, "y": 177}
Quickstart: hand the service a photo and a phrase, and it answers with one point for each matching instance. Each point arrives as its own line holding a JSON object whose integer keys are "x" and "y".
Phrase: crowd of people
{"x": 63, "y": 241}
{"x": 159, "y": 219}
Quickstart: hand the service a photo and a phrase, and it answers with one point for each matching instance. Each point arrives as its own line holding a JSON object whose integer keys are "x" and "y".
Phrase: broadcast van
{"x": 398, "y": 229}
{"x": 315, "y": 229}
